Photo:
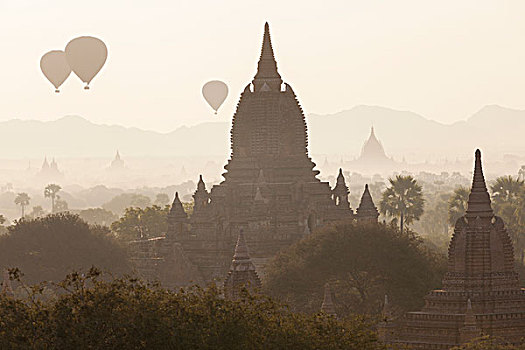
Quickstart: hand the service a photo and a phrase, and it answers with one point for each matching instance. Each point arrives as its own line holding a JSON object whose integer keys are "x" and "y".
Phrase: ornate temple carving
{"x": 481, "y": 292}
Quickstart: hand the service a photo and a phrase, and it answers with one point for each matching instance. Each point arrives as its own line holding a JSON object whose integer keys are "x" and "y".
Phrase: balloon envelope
{"x": 55, "y": 67}
{"x": 86, "y": 57}
{"x": 215, "y": 92}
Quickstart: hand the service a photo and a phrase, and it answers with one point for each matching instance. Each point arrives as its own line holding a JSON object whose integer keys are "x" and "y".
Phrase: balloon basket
{"x": 215, "y": 113}
{"x": 86, "y": 87}
{"x": 57, "y": 91}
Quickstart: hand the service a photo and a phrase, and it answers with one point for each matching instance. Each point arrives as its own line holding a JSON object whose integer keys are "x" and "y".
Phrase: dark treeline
{"x": 85, "y": 311}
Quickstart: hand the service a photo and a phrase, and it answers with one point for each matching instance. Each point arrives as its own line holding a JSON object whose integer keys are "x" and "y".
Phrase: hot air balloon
{"x": 215, "y": 92}
{"x": 86, "y": 57}
{"x": 55, "y": 67}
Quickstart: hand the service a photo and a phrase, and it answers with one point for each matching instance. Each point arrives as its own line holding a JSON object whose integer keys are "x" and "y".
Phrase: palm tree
{"x": 22, "y": 199}
{"x": 457, "y": 204}
{"x": 51, "y": 191}
{"x": 520, "y": 218}
{"x": 506, "y": 189}
{"x": 508, "y": 197}
{"x": 37, "y": 211}
{"x": 403, "y": 199}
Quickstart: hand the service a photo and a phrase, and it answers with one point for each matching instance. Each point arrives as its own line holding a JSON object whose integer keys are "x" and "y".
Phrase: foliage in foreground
{"x": 90, "y": 312}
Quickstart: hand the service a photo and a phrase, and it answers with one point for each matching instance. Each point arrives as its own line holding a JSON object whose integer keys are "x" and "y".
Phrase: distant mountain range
{"x": 495, "y": 129}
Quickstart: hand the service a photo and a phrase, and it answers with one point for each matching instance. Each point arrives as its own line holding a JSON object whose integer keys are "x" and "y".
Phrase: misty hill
{"x": 74, "y": 136}
{"x": 496, "y": 129}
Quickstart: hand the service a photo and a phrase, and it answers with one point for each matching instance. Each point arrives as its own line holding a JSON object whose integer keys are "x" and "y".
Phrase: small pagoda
{"x": 242, "y": 272}
{"x": 328, "y": 307}
{"x": 481, "y": 294}
{"x": 367, "y": 211}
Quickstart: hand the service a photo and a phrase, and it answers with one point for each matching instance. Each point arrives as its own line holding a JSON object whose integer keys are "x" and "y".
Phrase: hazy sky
{"x": 442, "y": 59}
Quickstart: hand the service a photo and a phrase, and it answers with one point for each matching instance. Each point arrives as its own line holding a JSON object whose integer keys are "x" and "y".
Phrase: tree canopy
{"x": 97, "y": 216}
{"x": 47, "y": 248}
{"x": 118, "y": 204}
{"x": 508, "y": 202}
{"x": 90, "y": 312}
{"x": 362, "y": 264}
{"x": 457, "y": 204}
{"x": 142, "y": 223}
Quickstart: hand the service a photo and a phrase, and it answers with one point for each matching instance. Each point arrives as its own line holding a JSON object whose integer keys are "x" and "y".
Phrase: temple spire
{"x": 267, "y": 77}
{"x": 367, "y": 211}
{"x": 177, "y": 210}
{"x": 258, "y": 195}
{"x": 340, "y": 177}
{"x": 200, "y": 197}
{"x": 241, "y": 250}
{"x": 470, "y": 328}
{"x": 479, "y": 199}
{"x": 328, "y": 305}
{"x": 242, "y": 272}
{"x": 341, "y": 191}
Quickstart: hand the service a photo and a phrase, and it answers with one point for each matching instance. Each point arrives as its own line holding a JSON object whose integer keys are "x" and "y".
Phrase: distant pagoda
{"x": 117, "y": 163}
{"x": 373, "y": 149}
{"x": 481, "y": 292}
{"x": 50, "y": 171}
{"x": 373, "y": 157}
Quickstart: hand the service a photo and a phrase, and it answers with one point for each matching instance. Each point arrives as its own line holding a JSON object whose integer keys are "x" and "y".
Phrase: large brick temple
{"x": 481, "y": 294}
{"x": 270, "y": 191}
